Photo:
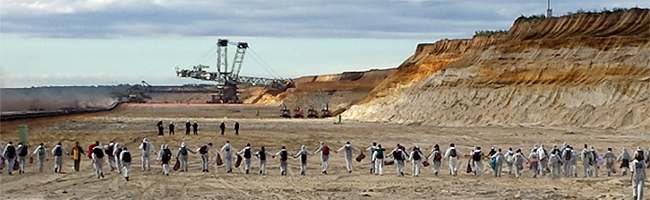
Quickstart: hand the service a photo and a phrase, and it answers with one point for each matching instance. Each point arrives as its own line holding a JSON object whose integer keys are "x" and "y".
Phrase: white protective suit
{"x": 147, "y": 148}
{"x": 348, "y": 155}
{"x": 227, "y": 150}
{"x": 41, "y": 153}
{"x": 303, "y": 154}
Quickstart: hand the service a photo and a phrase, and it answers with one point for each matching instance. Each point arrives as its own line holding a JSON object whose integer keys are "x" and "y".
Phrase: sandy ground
{"x": 131, "y": 123}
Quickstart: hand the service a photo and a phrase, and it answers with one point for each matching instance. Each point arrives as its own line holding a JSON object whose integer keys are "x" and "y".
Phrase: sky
{"x": 105, "y": 42}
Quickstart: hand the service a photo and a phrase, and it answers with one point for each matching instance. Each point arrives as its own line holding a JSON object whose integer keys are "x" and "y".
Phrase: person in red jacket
{"x": 90, "y": 149}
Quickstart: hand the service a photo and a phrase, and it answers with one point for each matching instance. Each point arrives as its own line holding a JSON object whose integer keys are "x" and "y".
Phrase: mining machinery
{"x": 133, "y": 93}
{"x": 297, "y": 113}
{"x": 227, "y": 79}
{"x": 326, "y": 111}
{"x": 285, "y": 111}
{"x": 312, "y": 113}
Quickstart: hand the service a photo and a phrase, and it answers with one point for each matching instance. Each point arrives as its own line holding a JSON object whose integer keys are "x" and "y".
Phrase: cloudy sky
{"x": 98, "y": 42}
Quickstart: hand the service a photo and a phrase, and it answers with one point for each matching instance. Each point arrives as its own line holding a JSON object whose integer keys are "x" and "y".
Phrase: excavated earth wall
{"x": 584, "y": 70}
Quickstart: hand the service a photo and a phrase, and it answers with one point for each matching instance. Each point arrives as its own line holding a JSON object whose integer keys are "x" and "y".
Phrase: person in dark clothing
{"x": 171, "y": 128}
{"x": 222, "y": 126}
{"x": 195, "y": 126}
{"x": 187, "y": 127}
{"x": 160, "y": 130}
{"x": 236, "y": 128}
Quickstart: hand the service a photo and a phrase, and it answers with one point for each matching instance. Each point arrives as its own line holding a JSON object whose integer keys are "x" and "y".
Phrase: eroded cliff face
{"x": 586, "y": 70}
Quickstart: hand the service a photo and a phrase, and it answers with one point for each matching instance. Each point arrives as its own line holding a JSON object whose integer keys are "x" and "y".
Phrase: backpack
{"x": 476, "y": 156}
{"x": 247, "y": 153}
{"x": 262, "y": 155}
{"x": 326, "y": 150}
{"x": 184, "y": 151}
{"x": 437, "y": 156}
{"x": 41, "y": 150}
{"x": 380, "y": 153}
{"x": 567, "y": 154}
{"x": 453, "y": 153}
{"x": 167, "y": 155}
{"x": 283, "y": 155}
{"x": 58, "y": 151}
{"x": 416, "y": 155}
{"x": 109, "y": 150}
{"x": 145, "y": 146}
{"x": 126, "y": 156}
{"x": 397, "y": 154}
{"x": 98, "y": 152}
{"x": 203, "y": 149}
{"x": 11, "y": 152}
{"x": 303, "y": 158}
{"x": 22, "y": 151}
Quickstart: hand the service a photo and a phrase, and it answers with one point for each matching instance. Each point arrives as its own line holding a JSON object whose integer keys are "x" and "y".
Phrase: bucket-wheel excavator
{"x": 227, "y": 79}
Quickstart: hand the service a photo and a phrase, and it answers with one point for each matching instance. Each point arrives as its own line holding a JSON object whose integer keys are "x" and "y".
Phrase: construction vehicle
{"x": 227, "y": 79}
{"x": 326, "y": 111}
{"x": 285, "y": 111}
{"x": 297, "y": 113}
{"x": 312, "y": 113}
{"x": 133, "y": 94}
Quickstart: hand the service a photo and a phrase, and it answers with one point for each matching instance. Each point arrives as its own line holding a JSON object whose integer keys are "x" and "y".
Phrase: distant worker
{"x": 509, "y": 159}
{"x": 587, "y": 158}
{"x": 188, "y": 125}
{"x": 498, "y": 163}
{"x": 236, "y": 128}
{"x": 261, "y": 156}
{"x": 247, "y": 153}
{"x": 378, "y": 159}
{"x": 372, "y": 149}
{"x": 109, "y": 155}
{"x": 160, "y": 127}
{"x": 205, "y": 156}
{"x": 534, "y": 162}
{"x": 98, "y": 161}
{"x": 325, "y": 154}
{"x": 171, "y": 128}
{"x": 518, "y": 162}
{"x": 165, "y": 156}
{"x": 42, "y": 156}
{"x": 436, "y": 157}
{"x": 284, "y": 156}
{"x": 303, "y": 153}
{"x": 125, "y": 156}
{"x": 182, "y": 156}
{"x": 594, "y": 161}
{"x": 452, "y": 153}
{"x": 222, "y": 126}
{"x": 609, "y": 157}
{"x": 195, "y": 126}
{"x": 543, "y": 159}
{"x": 77, "y": 151}
{"x": 477, "y": 164}
{"x": 416, "y": 159}
{"x": 147, "y": 148}
{"x": 10, "y": 156}
{"x": 58, "y": 152}
{"x": 22, "y": 153}
{"x": 555, "y": 163}
{"x": 348, "y": 154}
{"x": 567, "y": 158}
{"x": 90, "y": 149}
{"x": 227, "y": 150}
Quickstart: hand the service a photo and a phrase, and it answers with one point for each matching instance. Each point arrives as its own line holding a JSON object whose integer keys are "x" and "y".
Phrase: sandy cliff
{"x": 584, "y": 70}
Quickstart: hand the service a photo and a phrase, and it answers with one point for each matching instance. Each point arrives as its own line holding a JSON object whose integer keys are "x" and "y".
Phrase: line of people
{"x": 193, "y": 126}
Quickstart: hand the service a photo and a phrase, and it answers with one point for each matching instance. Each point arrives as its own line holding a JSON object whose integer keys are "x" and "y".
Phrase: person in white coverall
{"x": 416, "y": 159}
{"x": 247, "y": 153}
{"x": 98, "y": 161}
{"x": 205, "y": 156}
{"x": 638, "y": 167}
{"x": 41, "y": 153}
{"x": 509, "y": 159}
{"x": 325, "y": 154}
{"x": 518, "y": 162}
{"x": 109, "y": 155}
{"x": 555, "y": 162}
{"x": 498, "y": 163}
{"x": 436, "y": 158}
{"x": 261, "y": 156}
{"x": 348, "y": 154}
{"x": 399, "y": 155}
{"x": 543, "y": 159}
{"x": 477, "y": 163}
{"x": 182, "y": 156}
{"x": 22, "y": 153}
{"x": 371, "y": 149}
{"x": 594, "y": 163}
{"x": 303, "y": 153}
{"x": 567, "y": 159}
{"x": 284, "y": 155}
{"x": 587, "y": 158}
{"x": 452, "y": 153}
{"x": 625, "y": 159}
{"x": 147, "y": 148}
{"x": 58, "y": 152}
{"x": 227, "y": 150}
{"x": 609, "y": 157}
{"x": 378, "y": 158}
{"x": 117, "y": 150}
{"x": 125, "y": 156}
